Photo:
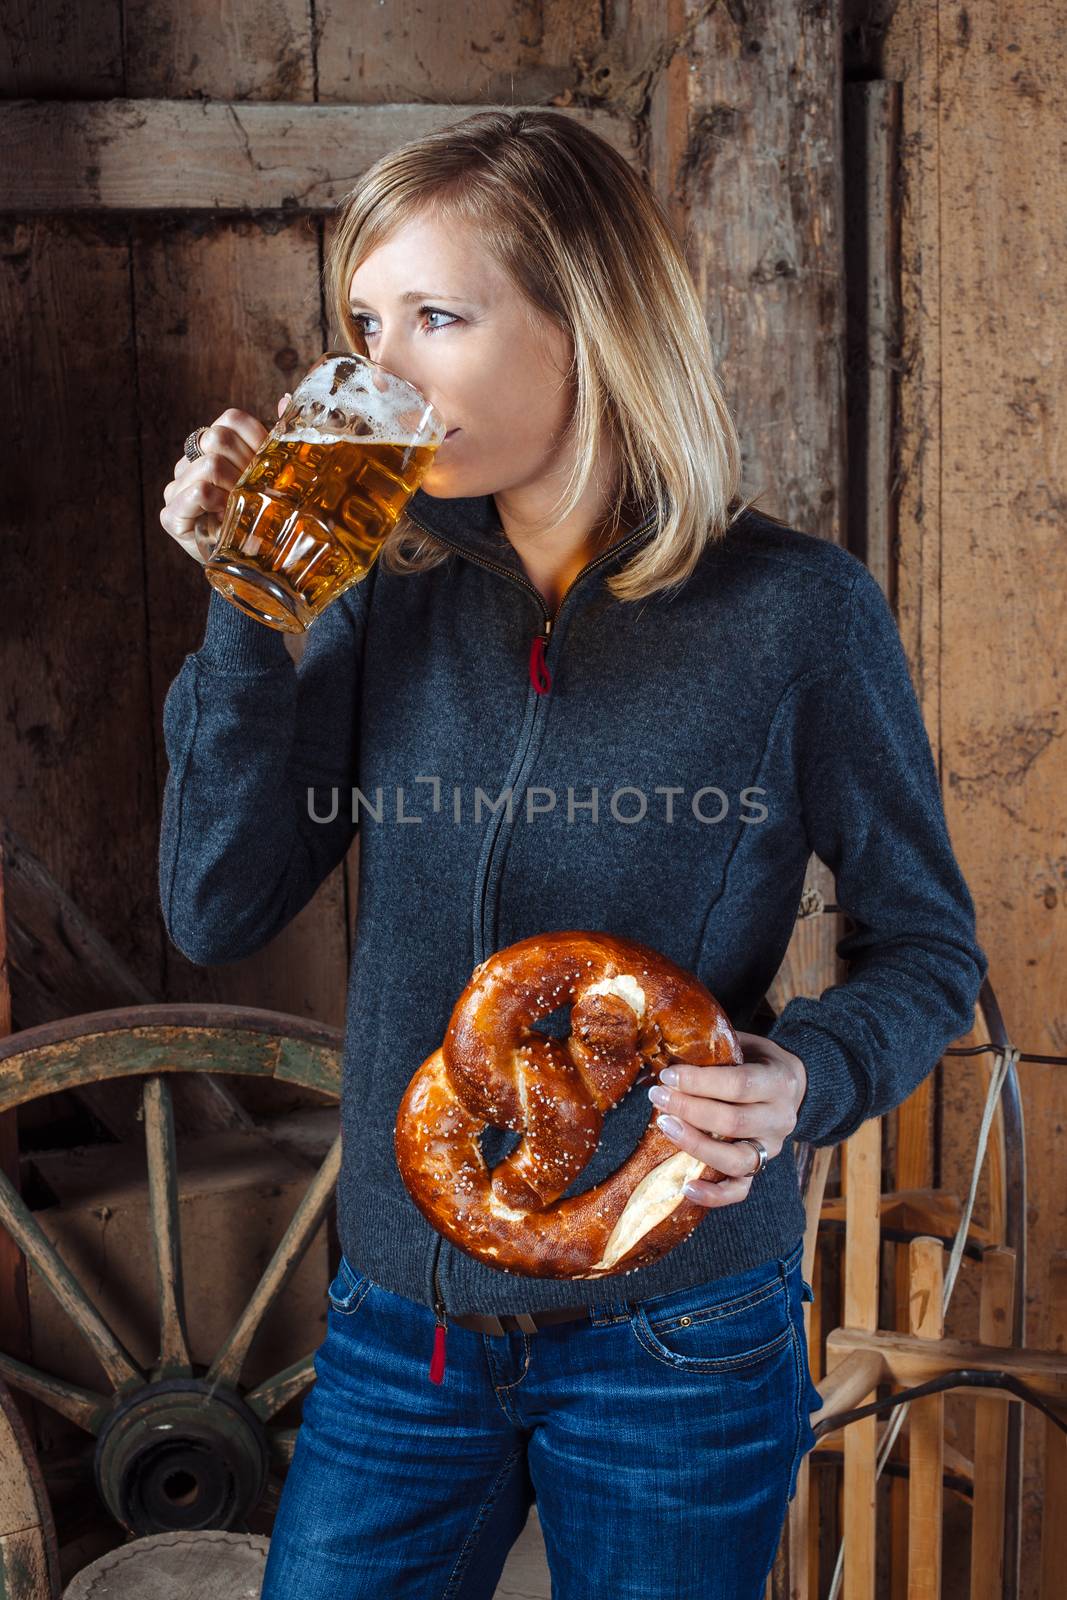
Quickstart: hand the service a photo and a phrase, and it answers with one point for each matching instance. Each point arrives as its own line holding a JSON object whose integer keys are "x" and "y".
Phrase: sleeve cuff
{"x": 837, "y": 1095}
{"x": 236, "y": 642}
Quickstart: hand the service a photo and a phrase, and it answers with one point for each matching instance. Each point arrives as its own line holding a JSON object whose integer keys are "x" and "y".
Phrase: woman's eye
{"x": 360, "y": 318}
{"x": 435, "y": 313}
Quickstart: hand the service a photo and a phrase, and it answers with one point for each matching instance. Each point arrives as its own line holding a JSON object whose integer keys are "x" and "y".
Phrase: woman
{"x": 687, "y": 698}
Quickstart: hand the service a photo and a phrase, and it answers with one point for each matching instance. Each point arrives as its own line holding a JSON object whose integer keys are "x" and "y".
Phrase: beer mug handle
{"x": 206, "y": 530}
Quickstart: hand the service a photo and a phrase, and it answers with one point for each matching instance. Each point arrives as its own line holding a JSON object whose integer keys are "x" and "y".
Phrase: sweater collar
{"x": 472, "y": 523}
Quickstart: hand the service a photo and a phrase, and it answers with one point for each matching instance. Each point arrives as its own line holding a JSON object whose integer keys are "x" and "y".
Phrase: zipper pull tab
{"x": 540, "y": 676}
{"x": 437, "y": 1362}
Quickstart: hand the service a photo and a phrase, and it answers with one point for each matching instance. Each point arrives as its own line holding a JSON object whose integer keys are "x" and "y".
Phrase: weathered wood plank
{"x": 761, "y": 183}
{"x": 61, "y": 967}
{"x": 209, "y": 156}
{"x": 75, "y": 752}
{"x": 226, "y": 314}
{"x": 983, "y": 556}
{"x": 497, "y": 53}
{"x": 54, "y": 47}
{"x": 872, "y": 154}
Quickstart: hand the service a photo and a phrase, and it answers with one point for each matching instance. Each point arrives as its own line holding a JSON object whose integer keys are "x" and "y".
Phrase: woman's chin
{"x": 441, "y": 477}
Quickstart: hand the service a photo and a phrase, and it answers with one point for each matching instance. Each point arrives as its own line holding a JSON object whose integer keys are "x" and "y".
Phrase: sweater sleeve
{"x": 873, "y": 813}
{"x": 262, "y": 755}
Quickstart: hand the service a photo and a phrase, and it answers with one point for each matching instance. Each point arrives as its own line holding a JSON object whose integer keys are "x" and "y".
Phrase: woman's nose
{"x": 390, "y": 355}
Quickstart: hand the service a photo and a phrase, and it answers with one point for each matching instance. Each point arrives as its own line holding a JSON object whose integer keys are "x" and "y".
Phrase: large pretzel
{"x": 630, "y": 1007}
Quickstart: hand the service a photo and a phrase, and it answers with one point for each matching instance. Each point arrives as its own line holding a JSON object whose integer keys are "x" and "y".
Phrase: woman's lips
{"x": 450, "y": 432}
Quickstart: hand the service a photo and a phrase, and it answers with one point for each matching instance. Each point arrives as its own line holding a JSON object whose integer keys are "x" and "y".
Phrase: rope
{"x": 1005, "y": 1060}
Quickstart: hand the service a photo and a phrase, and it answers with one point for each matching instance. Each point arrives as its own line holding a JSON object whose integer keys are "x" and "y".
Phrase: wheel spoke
{"x": 166, "y": 1229}
{"x": 281, "y": 1444}
{"x": 82, "y": 1406}
{"x": 36, "y": 1246}
{"x": 269, "y": 1397}
{"x": 305, "y": 1222}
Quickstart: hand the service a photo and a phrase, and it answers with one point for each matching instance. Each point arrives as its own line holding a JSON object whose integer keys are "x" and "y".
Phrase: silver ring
{"x": 192, "y": 444}
{"x": 761, "y": 1149}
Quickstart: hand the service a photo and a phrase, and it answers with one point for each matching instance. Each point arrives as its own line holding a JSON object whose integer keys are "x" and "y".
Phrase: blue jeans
{"x": 661, "y": 1439}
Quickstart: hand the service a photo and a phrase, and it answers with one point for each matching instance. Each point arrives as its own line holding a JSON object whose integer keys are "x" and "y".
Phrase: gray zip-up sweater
{"x": 659, "y": 769}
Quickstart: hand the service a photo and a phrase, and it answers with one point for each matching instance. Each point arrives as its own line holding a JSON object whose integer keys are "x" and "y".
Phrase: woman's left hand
{"x": 758, "y": 1099}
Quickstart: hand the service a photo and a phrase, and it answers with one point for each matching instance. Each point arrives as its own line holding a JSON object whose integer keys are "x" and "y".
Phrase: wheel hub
{"x": 179, "y": 1454}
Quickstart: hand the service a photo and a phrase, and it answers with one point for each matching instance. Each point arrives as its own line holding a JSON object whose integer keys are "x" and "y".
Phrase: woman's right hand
{"x": 204, "y": 485}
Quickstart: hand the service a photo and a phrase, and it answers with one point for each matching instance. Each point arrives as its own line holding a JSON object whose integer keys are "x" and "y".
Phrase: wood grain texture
{"x": 199, "y": 156}
{"x": 761, "y": 182}
{"x": 77, "y": 769}
{"x": 983, "y": 561}
{"x": 862, "y": 1176}
{"x": 991, "y": 1432}
{"x": 926, "y": 1258}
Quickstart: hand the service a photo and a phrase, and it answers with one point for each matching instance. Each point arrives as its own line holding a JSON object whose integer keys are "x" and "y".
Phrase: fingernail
{"x": 669, "y": 1075}
{"x": 670, "y": 1126}
{"x": 658, "y": 1096}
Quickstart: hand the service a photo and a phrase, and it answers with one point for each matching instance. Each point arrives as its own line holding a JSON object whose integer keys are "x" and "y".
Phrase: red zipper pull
{"x": 437, "y": 1363}
{"x": 540, "y": 676}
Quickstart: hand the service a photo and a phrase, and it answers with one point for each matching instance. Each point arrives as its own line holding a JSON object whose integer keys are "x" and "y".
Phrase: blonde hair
{"x": 586, "y": 243}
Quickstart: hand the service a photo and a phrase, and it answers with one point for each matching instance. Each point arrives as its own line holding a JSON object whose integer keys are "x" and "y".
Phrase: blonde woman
{"x": 585, "y": 686}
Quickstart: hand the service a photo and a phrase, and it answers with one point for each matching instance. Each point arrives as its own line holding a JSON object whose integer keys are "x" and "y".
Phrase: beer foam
{"x": 346, "y": 384}
{"x": 315, "y": 436}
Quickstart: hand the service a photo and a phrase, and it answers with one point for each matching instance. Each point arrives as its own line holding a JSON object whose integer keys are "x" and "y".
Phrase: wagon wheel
{"x": 29, "y": 1558}
{"x": 180, "y": 1445}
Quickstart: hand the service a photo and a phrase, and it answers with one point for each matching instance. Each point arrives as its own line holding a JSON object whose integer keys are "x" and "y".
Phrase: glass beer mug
{"x": 310, "y": 512}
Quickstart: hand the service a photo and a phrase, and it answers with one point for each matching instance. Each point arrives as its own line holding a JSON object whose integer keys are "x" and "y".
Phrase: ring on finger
{"x": 192, "y": 444}
{"x": 761, "y": 1155}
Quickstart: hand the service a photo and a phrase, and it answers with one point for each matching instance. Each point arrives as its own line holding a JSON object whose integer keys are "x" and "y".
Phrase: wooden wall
{"x": 982, "y": 555}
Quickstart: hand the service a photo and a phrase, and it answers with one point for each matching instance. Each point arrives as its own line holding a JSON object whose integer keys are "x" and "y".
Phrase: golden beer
{"x": 311, "y": 511}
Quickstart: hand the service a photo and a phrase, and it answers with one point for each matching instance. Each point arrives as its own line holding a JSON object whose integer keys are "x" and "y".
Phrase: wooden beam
{"x": 863, "y": 1179}
{"x": 926, "y": 1460}
{"x": 214, "y": 156}
{"x": 910, "y": 1360}
{"x": 997, "y": 1294}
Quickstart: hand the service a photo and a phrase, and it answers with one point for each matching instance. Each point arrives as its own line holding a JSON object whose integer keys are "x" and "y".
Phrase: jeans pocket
{"x": 348, "y": 1290}
{"x": 710, "y": 1329}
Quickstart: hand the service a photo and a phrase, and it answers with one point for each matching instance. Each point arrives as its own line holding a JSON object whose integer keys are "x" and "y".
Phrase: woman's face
{"x": 493, "y": 366}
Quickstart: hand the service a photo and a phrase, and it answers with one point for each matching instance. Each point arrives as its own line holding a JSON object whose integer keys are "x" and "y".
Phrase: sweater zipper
{"x": 542, "y": 683}
{"x": 437, "y": 1359}
{"x": 538, "y": 669}
{"x": 541, "y": 640}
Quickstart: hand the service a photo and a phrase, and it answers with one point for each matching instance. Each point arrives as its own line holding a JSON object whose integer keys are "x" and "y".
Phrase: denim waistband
{"x": 735, "y": 1283}
{"x": 621, "y": 1308}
